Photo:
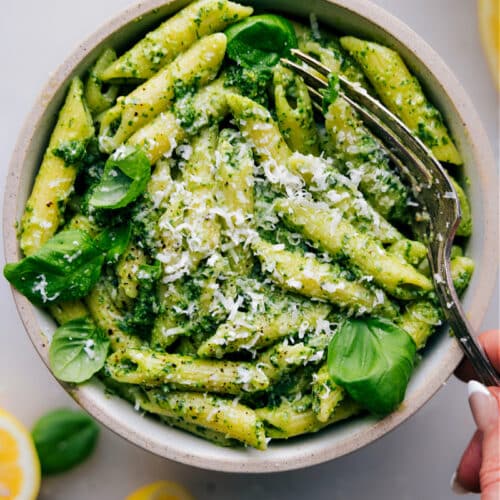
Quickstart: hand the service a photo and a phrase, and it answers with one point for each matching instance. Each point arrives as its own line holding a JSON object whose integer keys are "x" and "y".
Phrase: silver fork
{"x": 432, "y": 189}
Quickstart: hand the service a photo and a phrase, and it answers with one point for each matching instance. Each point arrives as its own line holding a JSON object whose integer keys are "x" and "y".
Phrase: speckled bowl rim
{"x": 368, "y": 430}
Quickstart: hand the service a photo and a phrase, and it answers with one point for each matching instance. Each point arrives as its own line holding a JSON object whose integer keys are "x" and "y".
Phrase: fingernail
{"x": 456, "y": 487}
{"x": 483, "y": 405}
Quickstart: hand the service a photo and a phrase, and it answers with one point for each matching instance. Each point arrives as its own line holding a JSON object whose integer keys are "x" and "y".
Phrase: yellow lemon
{"x": 489, "y": 27}
{"x": 161, "y": 490}
{"x": 19, "y": 465}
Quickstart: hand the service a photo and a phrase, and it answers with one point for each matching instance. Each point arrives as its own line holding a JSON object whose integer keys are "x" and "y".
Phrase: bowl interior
{"x": 357, "y": 17}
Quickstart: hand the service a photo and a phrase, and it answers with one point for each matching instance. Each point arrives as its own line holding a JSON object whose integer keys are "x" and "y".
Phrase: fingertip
{"x": 456, "y": 487}
{"x": 467, "y": 474}
{"x": 490, "y": 340}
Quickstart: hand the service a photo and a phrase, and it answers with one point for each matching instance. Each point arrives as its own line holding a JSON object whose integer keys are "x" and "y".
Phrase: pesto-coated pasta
{"x": 402, "y": 94}
{"x": 54, "y": 182}
{"x": 195, "y": 67}
{"x": 235, "y": 195}
{"x": 98, "y": 100}
{"x": 327, "y": 228}
{"x": 326, "y": 395}
{"x": 151, "y": 368}
{"x": 108, "y": 318}
{"x": 294, "y": 112}
{"x": 310, "y": 277}
{"x": 365, "y": 161}
{"x": 173, "y": 37}
{"x": 295, "y": 418}
{"x": 254, "y": 331}
{"x": 211, "y": 412}
{"x": 217, "y": 238}
{"x": 338, "y": 191}
{"x": 161, "y": 136}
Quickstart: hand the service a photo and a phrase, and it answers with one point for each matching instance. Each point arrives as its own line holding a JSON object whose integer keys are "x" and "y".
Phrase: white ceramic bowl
{"x": 442, "y": 355}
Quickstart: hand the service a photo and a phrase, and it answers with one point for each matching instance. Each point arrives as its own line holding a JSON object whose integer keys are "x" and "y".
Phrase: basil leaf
{"x": 114, "y": 241}
{"x": 331, "y": 93}
{"x": 64, "y": 438}
{"x": 372, "y": 359}
{"x": 78, "y": 350}
{"x": 125, "y": 177}
{"x": 260, "y": 41}
{"x": 66, "y": 267}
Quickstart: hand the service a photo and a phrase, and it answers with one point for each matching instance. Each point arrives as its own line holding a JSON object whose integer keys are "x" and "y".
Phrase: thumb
{"x": 485, "y": 410}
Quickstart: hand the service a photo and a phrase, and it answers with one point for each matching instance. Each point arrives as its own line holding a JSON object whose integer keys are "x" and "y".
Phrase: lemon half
{"x": 19, "y": 464}
{"x": 161, "y": 490}
{"x": 489, "y": 27}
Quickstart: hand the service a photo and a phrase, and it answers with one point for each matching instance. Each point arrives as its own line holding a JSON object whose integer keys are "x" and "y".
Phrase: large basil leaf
{"x": 65, "y": 268}
{"x": 125, "y": 177}
{"x": 259, "y": 41}
{"x": 78, "y": 350}
{"x": 372, "y": 359}
{"x": 64, "y": 438}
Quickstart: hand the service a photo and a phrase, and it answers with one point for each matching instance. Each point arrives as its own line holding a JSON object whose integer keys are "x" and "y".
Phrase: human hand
{"x": 479, "y": 468}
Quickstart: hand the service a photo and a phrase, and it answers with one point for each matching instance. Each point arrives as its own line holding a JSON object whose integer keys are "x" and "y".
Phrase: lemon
{"x": 489, "y": 27}
{"x": 161, "y": 490}
{"x": 19, "y": 465}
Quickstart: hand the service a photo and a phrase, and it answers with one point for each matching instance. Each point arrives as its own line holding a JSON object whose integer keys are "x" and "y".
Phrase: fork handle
{"x": 472, "y": 349}
{"x": 455, "y": 315}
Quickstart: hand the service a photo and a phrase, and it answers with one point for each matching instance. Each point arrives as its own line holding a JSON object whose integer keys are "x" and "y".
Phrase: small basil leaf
{"x": 372, "y": 359}
{"x": 64, "y": 438}
{"x": 331, "y": 93}
{"x": 114, "y": 241}
{"x": 66, "y": 267}
{"x": 78, "y": 350}
{"x": 125, "y": 177}
{"x": 260, "y": 41}
{"x": 71, "y": 152}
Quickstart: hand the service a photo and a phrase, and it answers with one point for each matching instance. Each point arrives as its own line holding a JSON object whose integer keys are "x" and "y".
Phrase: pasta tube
{"x": 202, "y": 229}
{"x": 249, "y": 331}
{"x": 310, "y": 277}
{"x": 272, "y": 153}
{"x": 294, "y": 418}
{"x": 338, "y": 191}
{"x": 461, "y": 272}
{"x": 402, "y": 94}
{"x": 410, "y": 251}
{"x": 97, "y": 100}
{"x": 196, "y": 67}
{"x": 365, "y": 161}
{"x": 108, "y": 318}
{"x": 327, "y": 228}
{"x": 152, "y": 368}
{"x": 174, "y": 36}
{"x": 127, "y": 270}
{"x": 235, "y": 182}
{"x": 419, "y": 320}
{"x": 294, "y": 112}
{"x": 326, "y": 395}
{"x": 161, "y": 136}
{"x": 54, "y": 182}
{"x": 223, "y": 416}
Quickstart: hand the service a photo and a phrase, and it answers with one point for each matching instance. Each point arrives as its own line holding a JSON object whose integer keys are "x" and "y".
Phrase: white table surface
{"x": 414, "y": 462}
